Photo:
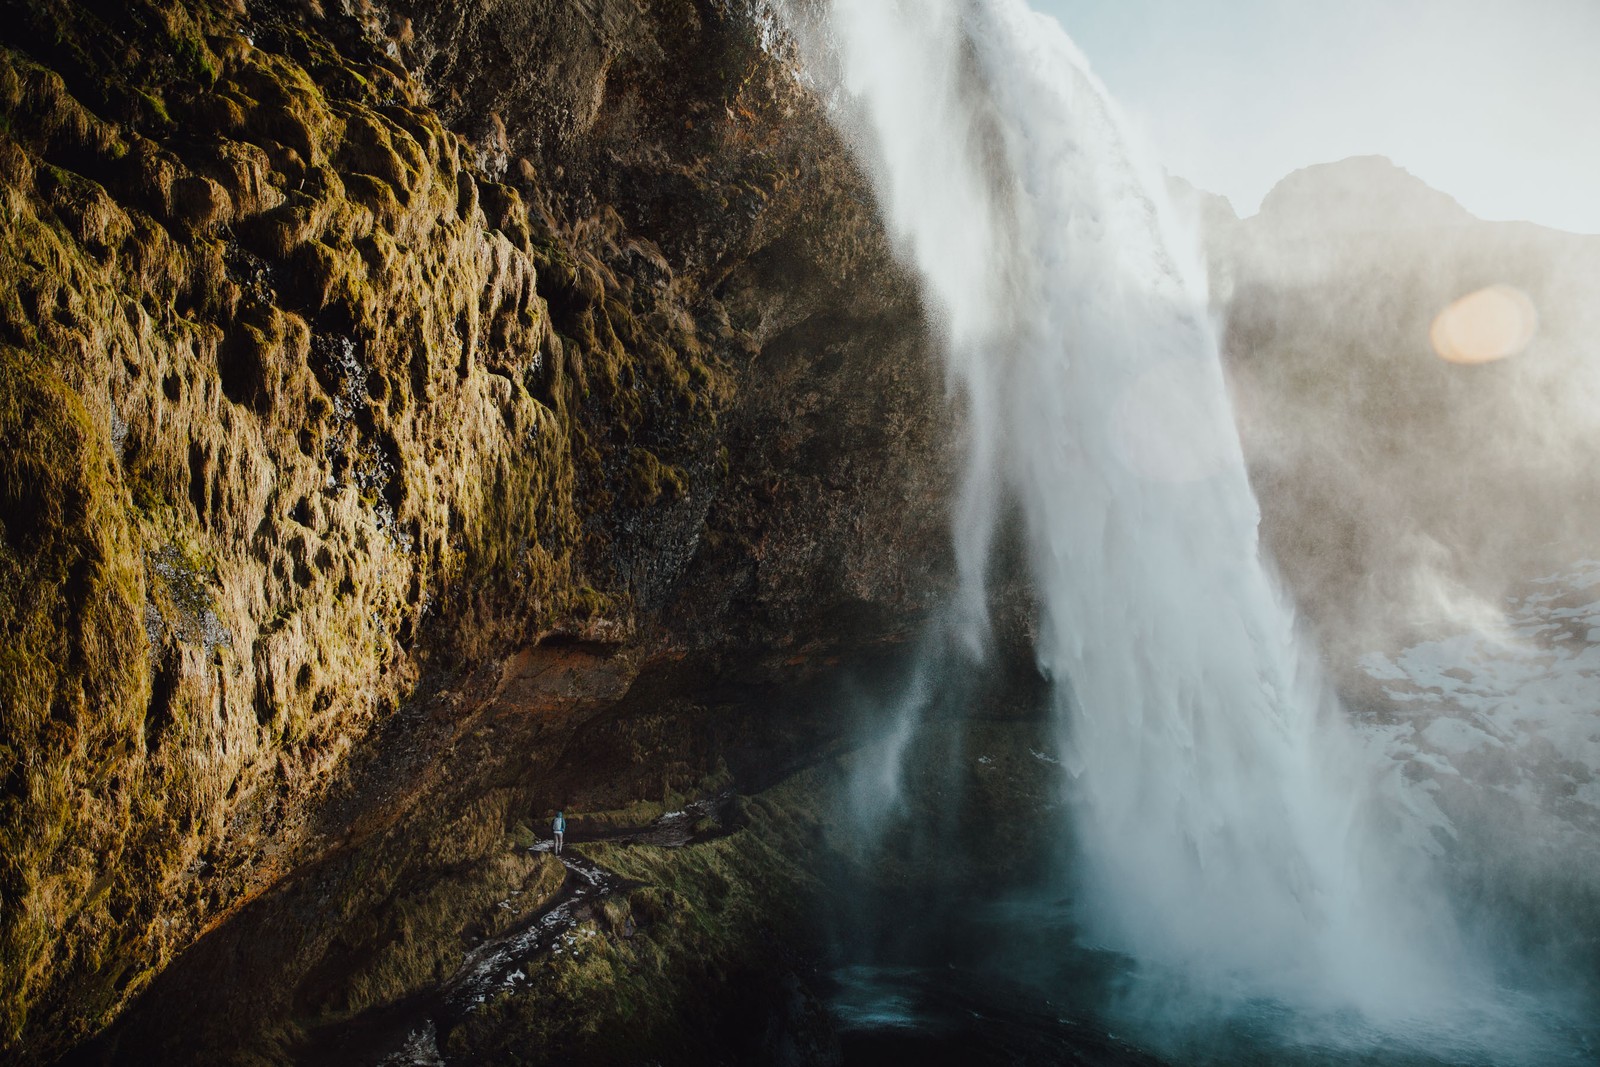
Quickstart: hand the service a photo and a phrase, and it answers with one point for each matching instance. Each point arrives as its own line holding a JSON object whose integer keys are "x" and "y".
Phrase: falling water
{"x": 1232, "y": 826}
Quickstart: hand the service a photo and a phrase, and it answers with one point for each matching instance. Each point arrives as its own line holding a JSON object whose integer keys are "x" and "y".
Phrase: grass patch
{"x": 674, "y": 971}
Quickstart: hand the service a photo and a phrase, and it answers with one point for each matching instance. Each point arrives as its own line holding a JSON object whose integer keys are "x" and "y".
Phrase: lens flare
{"x": 1484, "y": 326}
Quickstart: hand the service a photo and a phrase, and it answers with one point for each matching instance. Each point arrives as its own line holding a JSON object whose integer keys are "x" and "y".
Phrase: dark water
{"x": 922, "y": 1015}
{"x": 1009, "y": 982}
{"x": 956, "y": 939}
{"x": 906, "y": 1014}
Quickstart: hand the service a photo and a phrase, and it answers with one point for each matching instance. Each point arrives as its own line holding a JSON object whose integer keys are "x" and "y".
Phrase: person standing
{"x": 558, "y": 827}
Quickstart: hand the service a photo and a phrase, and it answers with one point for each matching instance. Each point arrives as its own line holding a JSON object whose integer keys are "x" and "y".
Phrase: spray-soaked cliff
{"x": 386, "y": 392}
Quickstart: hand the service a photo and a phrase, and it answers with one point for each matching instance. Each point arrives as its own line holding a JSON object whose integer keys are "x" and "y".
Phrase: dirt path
{"x": 496, "y": 965}
{"x": 410, "y": 1032}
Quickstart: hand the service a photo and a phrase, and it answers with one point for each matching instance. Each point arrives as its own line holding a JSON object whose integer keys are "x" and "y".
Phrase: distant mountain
{"x": 1359, "y": 193}
{"x": 1401, "y": 494}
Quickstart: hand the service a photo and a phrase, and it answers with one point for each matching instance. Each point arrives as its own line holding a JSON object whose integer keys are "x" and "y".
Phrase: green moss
{"x": 635, "y": 813}
{"x": 72, "y": 650}
{"x": 651, "y": 482}
{"x": 376, "y": 195}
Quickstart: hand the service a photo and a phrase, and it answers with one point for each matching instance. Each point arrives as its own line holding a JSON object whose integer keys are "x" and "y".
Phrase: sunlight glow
{"x": 1484, "y": 326}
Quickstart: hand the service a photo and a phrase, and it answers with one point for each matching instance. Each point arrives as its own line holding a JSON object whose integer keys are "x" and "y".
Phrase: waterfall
{"x": 1231, "y": 824}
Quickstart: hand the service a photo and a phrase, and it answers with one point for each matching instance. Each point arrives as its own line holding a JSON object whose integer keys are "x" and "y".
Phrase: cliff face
{"x": 407, "y": 415}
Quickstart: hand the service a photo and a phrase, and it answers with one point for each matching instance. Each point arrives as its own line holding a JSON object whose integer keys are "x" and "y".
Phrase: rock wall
{"x": 351, "y": 353}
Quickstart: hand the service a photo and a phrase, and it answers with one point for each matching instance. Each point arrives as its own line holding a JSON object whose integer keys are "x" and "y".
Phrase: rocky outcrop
{"x": 359, "y": 363}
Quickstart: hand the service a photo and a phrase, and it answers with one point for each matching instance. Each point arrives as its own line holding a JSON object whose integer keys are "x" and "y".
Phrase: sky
{"x": 1496, "y": 102}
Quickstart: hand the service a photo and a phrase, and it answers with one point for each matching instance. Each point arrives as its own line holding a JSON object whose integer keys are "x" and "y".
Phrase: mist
{"x": 1436, "y": 519}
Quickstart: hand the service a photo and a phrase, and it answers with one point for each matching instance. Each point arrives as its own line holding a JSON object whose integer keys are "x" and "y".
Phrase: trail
{"x": 409, "y": 1033}
{"x": 496, "y": 965}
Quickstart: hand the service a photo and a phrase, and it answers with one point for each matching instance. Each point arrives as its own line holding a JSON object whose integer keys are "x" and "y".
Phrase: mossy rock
{"x": 649, "y": 481}
{"x": 72, "y": 665}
